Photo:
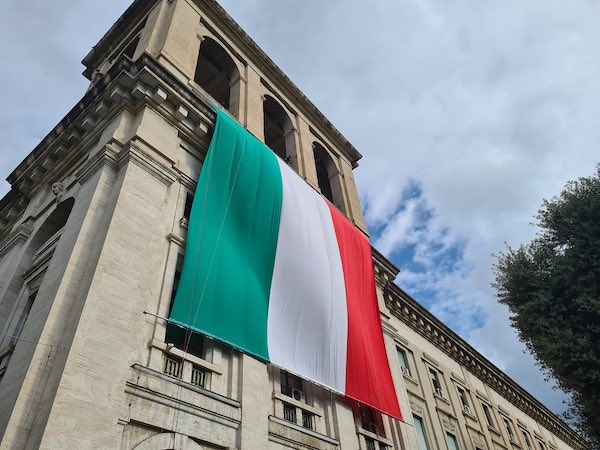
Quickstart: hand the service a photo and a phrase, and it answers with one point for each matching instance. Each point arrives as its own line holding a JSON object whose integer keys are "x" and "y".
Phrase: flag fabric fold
{"x": 276, "y": 271}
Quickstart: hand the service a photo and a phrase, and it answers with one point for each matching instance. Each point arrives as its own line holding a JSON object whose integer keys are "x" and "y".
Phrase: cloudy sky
{"x": 468, "y": 114}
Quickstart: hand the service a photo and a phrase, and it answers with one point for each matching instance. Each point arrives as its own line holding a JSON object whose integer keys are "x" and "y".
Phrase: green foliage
{"x": 552, "y": 289}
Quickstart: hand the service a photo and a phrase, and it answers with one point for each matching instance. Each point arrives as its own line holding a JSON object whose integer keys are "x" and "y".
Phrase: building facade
{"x": 92, "y": 236}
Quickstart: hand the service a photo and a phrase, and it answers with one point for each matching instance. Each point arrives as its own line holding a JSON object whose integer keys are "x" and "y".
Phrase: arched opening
{"x": 23, "y": 288}
{"x": 53, "y": 224}
{"x": 217, "y": 74}
{"x": 328, "y": 176}
{"x": 279, "y": 135}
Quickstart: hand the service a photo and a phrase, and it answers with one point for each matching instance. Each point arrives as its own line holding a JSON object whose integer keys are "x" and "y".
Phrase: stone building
{"x": 92, "y": 235}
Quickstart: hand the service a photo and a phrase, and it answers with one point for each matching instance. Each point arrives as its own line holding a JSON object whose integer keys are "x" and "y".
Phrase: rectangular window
{"x": 182, "y": 338}
{"x": 452, "y": 442}
{"x": 371, "y": 420}
{"x": 509, "y": 429}
{"x": 24, "y": 316}
{"x": 435, "y": 381}
{"x": 187, "y": 208}
{"x": 420, "y": 429}
{"x": 198, "y": 376}
{"x": 291, "y": 385}
{"x": 527, "y": 439}
{"x": 464, "y": 399}
{"x": 488, "y": 415}
{"x": 542, "y": 446}
{"x": 289, "y": 412}
{"x": 307, "y": 420}
{"x": 173, "y": 366}
{"x": 403, "y": 361}
{"x": 370, "y": 443}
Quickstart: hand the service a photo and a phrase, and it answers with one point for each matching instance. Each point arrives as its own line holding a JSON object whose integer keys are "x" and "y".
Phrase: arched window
{"x": 35, "y": 261}
{"x": 279, "y": 135}
{"x": 215, "y": 73}
{"x": 328, "y": 176}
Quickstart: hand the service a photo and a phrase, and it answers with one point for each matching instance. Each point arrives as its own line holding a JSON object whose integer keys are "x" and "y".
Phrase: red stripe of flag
{"x": 368, "y": 375}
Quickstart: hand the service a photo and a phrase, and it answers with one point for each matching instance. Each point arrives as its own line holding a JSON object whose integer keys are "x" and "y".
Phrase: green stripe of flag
{"x": 232, "y": 239}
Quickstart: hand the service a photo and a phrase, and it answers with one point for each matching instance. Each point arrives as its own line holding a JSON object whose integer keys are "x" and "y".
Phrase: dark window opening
{"x": 371, "y": 420}
{"x": 327, "y": 174}
{"x": 131, "y": 47}
{"x": 435, "y": 381}
{"x": 488, "y": 415}
{"x": 183, "y": 338}
{"x": 277, "y": 124}
{"x": 307, "y": 420}
{"x": 24, "y": 316}
{"x": 187, "y": 209}
{"x": 289, "y": 413}
{"x": 215, "y": 71}
{"x": 291, "y": 385}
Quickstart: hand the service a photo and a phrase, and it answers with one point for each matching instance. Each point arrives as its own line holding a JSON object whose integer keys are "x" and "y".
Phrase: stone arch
{"x": 168, "y": 441}
{"x": 328, "y": 175}
{"x": 218, "y": 74}
{"x": 279, "y": 131}
{"x": 45, "y": 233}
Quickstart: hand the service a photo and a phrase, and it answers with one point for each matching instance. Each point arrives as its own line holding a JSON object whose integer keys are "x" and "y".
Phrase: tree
{"x": 552, "y": 289}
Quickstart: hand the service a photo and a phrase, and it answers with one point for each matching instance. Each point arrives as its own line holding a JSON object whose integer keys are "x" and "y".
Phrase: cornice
{"x": 410, "y": 312}
{"x": 127, "y": 85}
{"x": 246, "y": 45}
{"x": 274, "y": 74}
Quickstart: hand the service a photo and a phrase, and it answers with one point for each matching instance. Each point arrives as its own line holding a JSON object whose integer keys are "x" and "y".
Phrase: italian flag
{"x": 274, "y": 270}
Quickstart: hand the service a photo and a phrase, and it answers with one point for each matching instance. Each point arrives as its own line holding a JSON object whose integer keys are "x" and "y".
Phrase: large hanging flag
{"x": 274, "y": 270}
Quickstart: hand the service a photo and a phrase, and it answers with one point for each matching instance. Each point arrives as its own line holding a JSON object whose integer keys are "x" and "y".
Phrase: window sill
{"x": 187, "y": 357}
{"x": 443, "y": 399}
{"x": 298, "y": 404}
{"x": 411, "y": 379}
{"x": 374, "y": 436}
{"x": 470, "y": 415}
{"x": 307, "y": 431}
{"x": 514, "y": 443}
{"x": 494, "y": 431}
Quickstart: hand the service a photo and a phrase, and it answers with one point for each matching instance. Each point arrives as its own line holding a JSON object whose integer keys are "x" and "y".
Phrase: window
{"x": 291, "y": 385}
{"x": 278, "y": 129}
{"x": 509, "y": 429}
{"x": 187, "y": 209}
{"x": 289, "y": 412}
{"x": 370, "y": 443}
{"x": 403, "y": 361}
{"x": 328, "y": 176}
{"x": 527, "y": 440}
{"x": 217, "y": 73}
{"x": 420, "y": 429}
{"x": 488, "y": 415}
{"x": 452, "y": 442}
{"x": 24, "y": 316}
{"x": 173, "y": 366}
{"x": 464, "y": 399}
{"x": 307, "y": 420}
{"x": 131, "y": 47}
{"x": 371, "y": 420}
{"x": 435, "y": 381}
{"x": 183, "y": 338}
{"x": 541, "y": 445}
{"x": 198, "y": 376}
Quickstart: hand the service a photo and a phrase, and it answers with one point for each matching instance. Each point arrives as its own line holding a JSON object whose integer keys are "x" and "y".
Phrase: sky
{"x": 467, "y": 113}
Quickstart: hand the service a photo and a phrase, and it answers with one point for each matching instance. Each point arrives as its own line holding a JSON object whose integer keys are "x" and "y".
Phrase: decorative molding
{"x": 192, "y": 387}
{"x": 19, "y": 236}
{"x": 416, "y": 317}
